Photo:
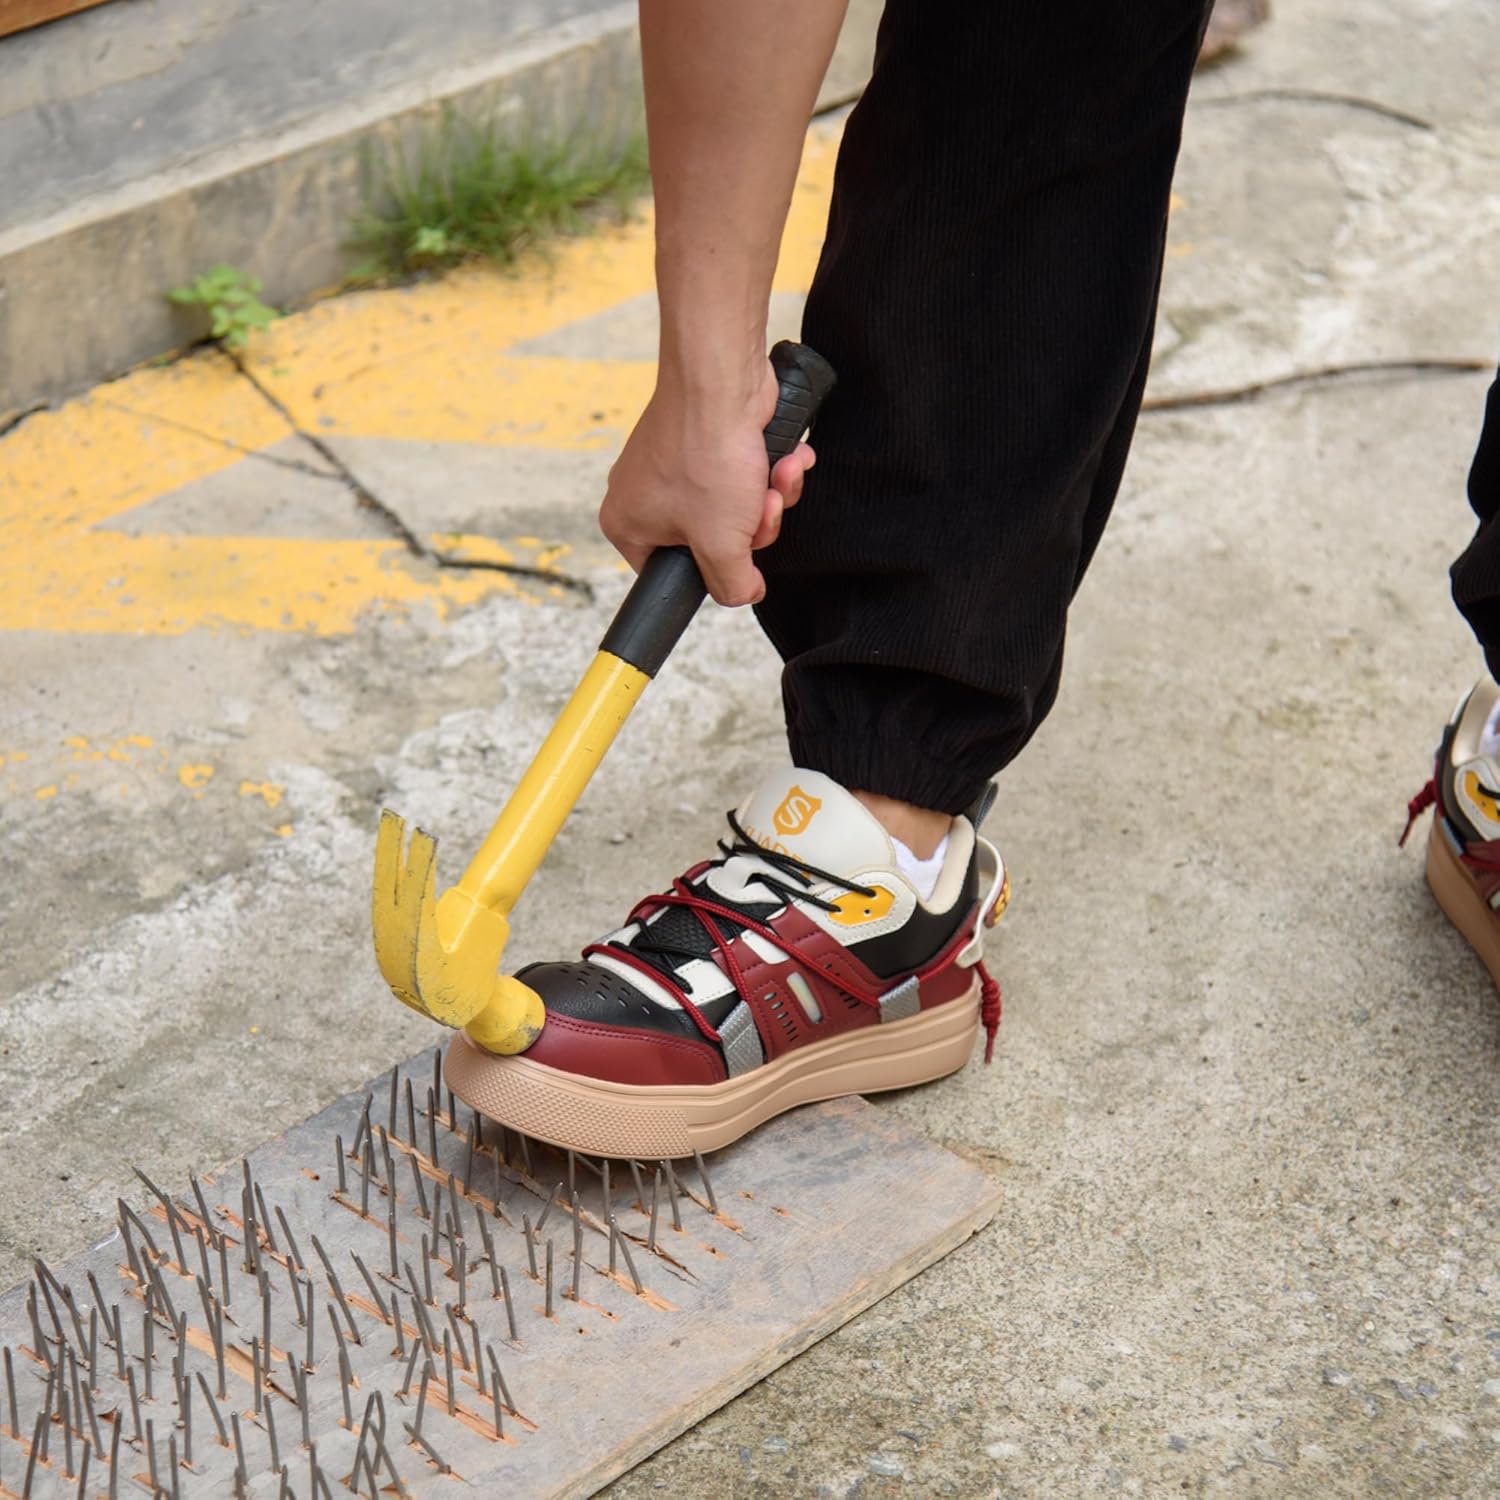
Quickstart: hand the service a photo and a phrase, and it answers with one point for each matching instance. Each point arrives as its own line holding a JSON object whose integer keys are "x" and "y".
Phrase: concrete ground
{"x": 1244, "y": 1107}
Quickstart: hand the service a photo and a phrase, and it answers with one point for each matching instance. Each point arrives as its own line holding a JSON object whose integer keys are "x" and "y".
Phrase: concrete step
{"x": 141, "y": 144}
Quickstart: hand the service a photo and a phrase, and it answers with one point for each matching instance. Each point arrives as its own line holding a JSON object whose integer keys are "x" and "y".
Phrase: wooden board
{"x": 17, "y": 15}
{"x": 820, "y": 1214}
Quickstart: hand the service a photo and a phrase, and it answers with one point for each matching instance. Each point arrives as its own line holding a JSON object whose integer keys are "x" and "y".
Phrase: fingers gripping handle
{"x": 666, "y": 596}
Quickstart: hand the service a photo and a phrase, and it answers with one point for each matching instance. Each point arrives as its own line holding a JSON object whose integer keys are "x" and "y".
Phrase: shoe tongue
{"x": 812, "y": 818}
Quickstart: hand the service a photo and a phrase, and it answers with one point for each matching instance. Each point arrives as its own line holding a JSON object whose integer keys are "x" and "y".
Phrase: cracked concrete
{"x": 1244, "y": 1107}
{"x": 388, "y": 517}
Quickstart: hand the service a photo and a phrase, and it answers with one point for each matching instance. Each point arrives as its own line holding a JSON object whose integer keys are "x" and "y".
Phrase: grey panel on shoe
{"x": 903, "y": 1001}
{"x": 741, "y": 1041}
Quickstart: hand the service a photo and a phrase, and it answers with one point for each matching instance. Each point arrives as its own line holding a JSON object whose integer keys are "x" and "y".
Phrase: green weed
{"x": 469, "y": 191}
{"x": 232, "y": 301}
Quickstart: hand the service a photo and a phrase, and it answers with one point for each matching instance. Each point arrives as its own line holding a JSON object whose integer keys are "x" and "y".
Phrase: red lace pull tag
{"x": 1415, "y": 808}
{"x": 989, "y": 1010}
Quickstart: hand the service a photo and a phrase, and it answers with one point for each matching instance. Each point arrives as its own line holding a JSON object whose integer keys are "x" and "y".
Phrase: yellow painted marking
{"x": 66, "y": 764}
{"x": 451, "y": 393}
{"x": 472, "y": 548}
{"x": 802, "y": 243}
{"x": 441, "y": 361}
{"x": 284, "y": 830}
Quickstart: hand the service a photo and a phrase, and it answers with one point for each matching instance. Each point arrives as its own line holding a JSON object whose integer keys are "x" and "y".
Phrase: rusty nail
{"x": 271, "y": 1434}
{"x": 291, "y": 1244}
{"x": 432, "y": 1453}
{"x": 427, "y": 1373}
{"x": 541, "y": 1223}
{"x": 629, "y": 1262}
{"x": 672, "y": 1195}
{"x": 526, "y": 1229}
{"x": 577, "y": 1246}
{"x": 510, "y": 1305}
{"x": 411, "y": 1365}
{"x": 708, "y": 1187}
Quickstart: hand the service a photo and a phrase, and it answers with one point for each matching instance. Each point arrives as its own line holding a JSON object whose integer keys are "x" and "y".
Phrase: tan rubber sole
{"x": 616, "y": 1119}
{"x": 1461, "y": 902}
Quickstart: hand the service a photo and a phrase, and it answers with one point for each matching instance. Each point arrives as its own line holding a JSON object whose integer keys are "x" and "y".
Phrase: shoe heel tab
{"x": 979, "y": 809}
{"x": 994, "y": 884}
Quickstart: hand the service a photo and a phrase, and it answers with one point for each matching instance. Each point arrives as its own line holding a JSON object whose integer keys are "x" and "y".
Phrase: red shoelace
{"x": 1415, "y": 808}
{"x": 706, "y": 910}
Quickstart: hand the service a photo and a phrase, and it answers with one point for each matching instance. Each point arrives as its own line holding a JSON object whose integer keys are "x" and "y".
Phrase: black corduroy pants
{"x": 1476, "y": 574}
{"x": 987, "y": 295}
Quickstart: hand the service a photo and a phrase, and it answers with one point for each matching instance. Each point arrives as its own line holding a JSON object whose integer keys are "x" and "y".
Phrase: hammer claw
{"x": 402, "y": 902}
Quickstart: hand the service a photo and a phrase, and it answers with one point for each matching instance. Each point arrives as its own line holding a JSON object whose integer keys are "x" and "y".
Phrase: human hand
{"x": 693, "y": 473}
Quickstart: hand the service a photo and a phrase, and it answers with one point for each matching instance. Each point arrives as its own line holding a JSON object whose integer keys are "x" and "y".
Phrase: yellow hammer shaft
{"x": 553, "y": 782}
{"x": 442, "y": 954}
{"x": 442, "y": 957}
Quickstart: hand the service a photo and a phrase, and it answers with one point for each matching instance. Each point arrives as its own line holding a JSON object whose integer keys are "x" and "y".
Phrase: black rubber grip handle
{"x": 666, "y": 595}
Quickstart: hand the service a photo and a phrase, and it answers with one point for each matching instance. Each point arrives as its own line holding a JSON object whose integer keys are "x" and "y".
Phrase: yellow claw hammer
{"x": 442, "y": 956}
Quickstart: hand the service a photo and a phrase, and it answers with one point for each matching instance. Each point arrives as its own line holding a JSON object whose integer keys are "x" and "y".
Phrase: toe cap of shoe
{"x": 588, "y": 992}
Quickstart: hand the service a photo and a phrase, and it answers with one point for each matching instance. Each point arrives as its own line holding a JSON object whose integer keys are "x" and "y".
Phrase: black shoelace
{"x": 668, "y": 942}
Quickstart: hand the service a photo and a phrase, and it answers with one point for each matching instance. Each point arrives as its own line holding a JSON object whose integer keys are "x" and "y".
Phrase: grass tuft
{"x": 469, "y": 191}
{"x": 231, "y": 299}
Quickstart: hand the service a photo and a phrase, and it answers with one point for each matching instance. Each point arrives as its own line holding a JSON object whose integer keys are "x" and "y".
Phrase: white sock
{"x": 922, "y": 874}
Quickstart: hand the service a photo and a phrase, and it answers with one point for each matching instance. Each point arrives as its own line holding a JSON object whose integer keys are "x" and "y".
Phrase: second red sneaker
{"x": 799, "y": 965}
{"x": 1463, "y": 848}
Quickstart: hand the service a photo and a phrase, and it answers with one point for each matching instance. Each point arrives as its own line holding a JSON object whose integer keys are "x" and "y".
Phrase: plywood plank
{"x": 790, "y": 1254}
{"x": 17, "y": 15}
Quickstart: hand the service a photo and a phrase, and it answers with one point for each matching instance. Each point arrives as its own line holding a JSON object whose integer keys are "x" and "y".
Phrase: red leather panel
{"x": 621, "y": 1054}
{"x": 780, "y": 1019}
{"x": 946, "y": 985}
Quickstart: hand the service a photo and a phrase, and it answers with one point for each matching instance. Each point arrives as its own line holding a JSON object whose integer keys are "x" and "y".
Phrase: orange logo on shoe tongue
{"x": 796, "y": 812}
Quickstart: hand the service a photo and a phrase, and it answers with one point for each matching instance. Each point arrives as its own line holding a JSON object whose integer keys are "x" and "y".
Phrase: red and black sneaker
{"x": 1463, "y": 848}
{"x": 799, "y": 965}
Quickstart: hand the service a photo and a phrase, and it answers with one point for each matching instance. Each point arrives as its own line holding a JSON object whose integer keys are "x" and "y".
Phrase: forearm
{"x": 730, "y": 85}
